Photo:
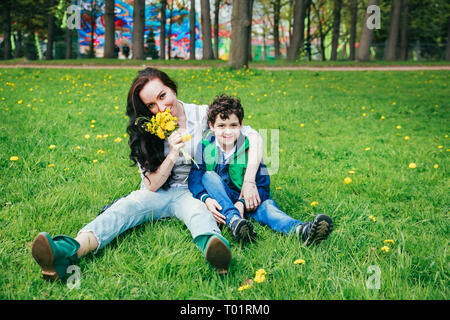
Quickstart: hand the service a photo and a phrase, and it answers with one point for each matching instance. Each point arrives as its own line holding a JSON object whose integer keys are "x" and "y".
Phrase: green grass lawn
{"x": 66, "y": 127}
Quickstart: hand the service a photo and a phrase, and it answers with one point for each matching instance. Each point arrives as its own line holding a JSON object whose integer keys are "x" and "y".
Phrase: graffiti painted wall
{"x": 124, "y": 27}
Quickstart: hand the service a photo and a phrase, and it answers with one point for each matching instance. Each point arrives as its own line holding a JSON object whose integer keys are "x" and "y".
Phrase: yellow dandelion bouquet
{"x": 162, "y": 125}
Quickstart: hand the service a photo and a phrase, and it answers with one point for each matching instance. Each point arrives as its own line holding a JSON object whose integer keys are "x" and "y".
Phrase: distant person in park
{"x": 217, "y": 180}
{"x": 164, "y": 191}
{"x": 126, "y": 51}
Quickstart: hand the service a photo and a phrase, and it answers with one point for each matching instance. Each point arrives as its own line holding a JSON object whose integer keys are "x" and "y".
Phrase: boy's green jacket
{"x": 210, "y": 158}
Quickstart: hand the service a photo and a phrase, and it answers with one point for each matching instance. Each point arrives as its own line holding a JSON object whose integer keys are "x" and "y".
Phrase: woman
{"x": 164, "y": 191}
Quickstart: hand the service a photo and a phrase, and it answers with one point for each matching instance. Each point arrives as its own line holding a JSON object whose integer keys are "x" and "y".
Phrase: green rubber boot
{"x": 54, "y": 255}
{"x": 216, "y": 250}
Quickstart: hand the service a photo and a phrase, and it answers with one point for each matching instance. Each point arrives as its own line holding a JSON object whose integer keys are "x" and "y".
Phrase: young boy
{"x": 217, "y": 181}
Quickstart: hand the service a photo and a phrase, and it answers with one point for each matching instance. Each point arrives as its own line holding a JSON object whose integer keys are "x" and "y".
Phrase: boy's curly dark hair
{"x": 225, "y": 106}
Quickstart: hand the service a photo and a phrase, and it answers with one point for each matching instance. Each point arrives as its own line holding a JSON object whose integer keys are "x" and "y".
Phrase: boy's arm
{"x": 263, "y": 183}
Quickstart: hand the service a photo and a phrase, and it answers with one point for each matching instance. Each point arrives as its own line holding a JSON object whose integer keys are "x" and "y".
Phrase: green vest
{"x": 237, "y": 164}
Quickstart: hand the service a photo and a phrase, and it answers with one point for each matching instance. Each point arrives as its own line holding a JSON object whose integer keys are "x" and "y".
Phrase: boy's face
{"x": 226, "y": 131}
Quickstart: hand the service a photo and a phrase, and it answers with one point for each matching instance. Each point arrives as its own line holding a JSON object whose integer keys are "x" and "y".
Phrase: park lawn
{"x": 368, "y": 126}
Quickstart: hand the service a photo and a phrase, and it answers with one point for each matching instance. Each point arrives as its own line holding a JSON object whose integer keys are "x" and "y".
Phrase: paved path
{"x": 274, "y": 68}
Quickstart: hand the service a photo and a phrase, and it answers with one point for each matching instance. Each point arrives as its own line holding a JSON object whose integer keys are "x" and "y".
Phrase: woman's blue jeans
{"x": 267, "y": 213}
{"x": 143, "y": 205}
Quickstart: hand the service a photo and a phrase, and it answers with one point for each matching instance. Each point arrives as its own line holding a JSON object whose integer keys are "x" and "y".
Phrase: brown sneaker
{"x": 218, "y": 254}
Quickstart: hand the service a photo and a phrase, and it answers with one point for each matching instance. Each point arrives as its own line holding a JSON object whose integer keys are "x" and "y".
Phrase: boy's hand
{"x": 251, "y": 196}
{"x": 214, "y": 207}
{"x": 240, "y": 206}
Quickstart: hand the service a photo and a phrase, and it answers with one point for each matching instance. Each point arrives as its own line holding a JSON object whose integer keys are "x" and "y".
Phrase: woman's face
{"x": 157, "y": 97}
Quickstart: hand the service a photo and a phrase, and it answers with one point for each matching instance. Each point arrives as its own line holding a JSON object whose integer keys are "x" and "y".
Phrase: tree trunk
{"x": 50, "y": 33}
{"x": 169, "y": 34}
{"x": 108, "y": 51}
{"x": 335, "y": 29}
{"x": 138, "y": 29}
{"x": 192, "y": 31}
{"x": 299, "y": 29}
{"x": 276, "y": 26}
{"x": 250, "y": 4}
{"x": 18, "y": 41}
{"x": 6, "y": 8}
{"x": 240, "y": 24}
{"x": 447, "y": 51}
{"x": 216, "y": 28}
{"x": 366, "y": 37}
{"x": 91, "y": 45}
{"x": 391, "y": 46}
{"x": 354, "y": 12}
{"x": 162, "y": 35}
{"x": 68, "y": 43}
{"x": 404, "y": 33}
{"x": 206, "y": 31}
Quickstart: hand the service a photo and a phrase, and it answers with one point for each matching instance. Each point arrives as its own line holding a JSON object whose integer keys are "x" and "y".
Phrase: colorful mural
{"x": 124, "y": 28}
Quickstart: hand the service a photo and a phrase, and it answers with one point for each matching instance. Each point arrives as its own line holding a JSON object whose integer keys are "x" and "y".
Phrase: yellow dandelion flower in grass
{"x": 348, "y": 180}
{"x": 398, "y": 127}
{"x": 92, "y": 125}
{"x": 436, "y": 166}
{"x": 86, "y": 136}
{"x": 383, "y": 117}
{"x": 351, "y": 172}
{"x": 20, "y": 101}
{"x": 260, "y": 275}
{"x": 367, "y": 149}
{"x": 95, "y": 161}
{"x": 125, "y": 135}
{"x": 51, "y": 165}
{"x": 440, "y": 147}
{"x": 314, "y": 203}
{"x": 99, "y": 136}
{"x": 278, "y": 188}
{"x": 14, "y": 158}
{"x": 299, "y": 261}
{"x": 52, "y": 146}
{"x": 364, "y": 114}
{"x": 385, "y": 249}
{"x": 244, "y": 287}
{"x": 412, "y": 165}
{"x": 93, "y": 121}
{"x": 388, "y": 241}
{"x": 77, "y": 148}
{"x": 249, "y": 117}
{"x": 117, "y": 139}
{"x": 394, "y": 103}
{"x": 406, "y": 138}
{"x": 101, "y": 151}
{"x": 116, "y": 107}
{"x": 302, "y": 125}
{"x": 372, "y": 218}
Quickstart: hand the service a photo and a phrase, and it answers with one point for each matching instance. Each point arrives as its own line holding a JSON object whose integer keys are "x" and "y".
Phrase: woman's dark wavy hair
{"x": 146, "y": 148}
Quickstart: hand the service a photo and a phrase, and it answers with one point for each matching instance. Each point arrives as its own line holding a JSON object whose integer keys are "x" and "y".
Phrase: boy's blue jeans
{"x": 267, "y": 213}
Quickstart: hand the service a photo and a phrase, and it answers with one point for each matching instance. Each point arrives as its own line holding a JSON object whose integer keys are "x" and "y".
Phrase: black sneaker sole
{"x": 244, "y": 231}
{"x": 320, "y": 229}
